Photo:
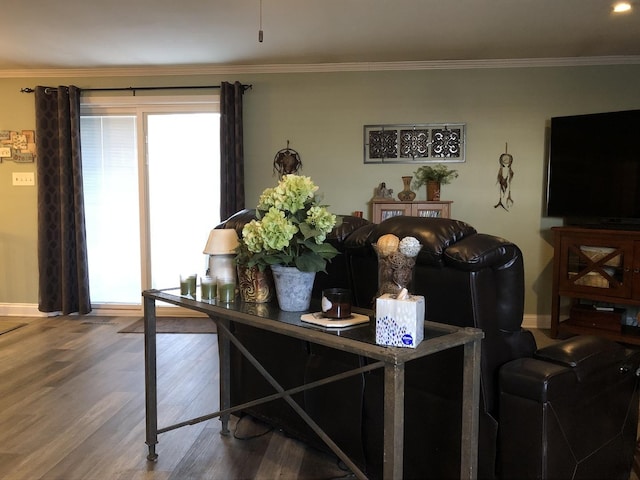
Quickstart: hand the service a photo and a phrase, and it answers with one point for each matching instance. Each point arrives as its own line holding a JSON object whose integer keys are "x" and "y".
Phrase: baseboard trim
{"x": 21, "y": 310}
{"x": 536, "y": 321}
{"x": 31, "y": 310}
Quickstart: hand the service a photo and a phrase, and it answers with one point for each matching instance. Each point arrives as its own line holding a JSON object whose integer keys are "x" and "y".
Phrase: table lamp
{"x": 220, "y": 247}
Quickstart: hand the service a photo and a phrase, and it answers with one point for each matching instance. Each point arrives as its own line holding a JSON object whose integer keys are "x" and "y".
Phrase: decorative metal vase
{"x": 255, "y": 286}
{"x": 406, "y": 195}
{"x": 293, "y": 288}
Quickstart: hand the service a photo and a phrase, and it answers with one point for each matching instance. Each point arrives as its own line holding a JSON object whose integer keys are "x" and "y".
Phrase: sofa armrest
{"x": 534, "y": 379}
{"x": 481, "y": 251}
{"x": 571, "y": 412}
{"x": 238, "y": 220}
{"x": 585, "y": 354}
{"x": 557, "y": 370}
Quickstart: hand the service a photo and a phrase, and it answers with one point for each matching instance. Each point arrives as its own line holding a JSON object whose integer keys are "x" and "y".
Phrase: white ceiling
{"x": 71, "y": 34}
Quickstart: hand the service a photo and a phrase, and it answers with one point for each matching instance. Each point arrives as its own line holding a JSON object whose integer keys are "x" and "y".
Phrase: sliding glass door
{"x": 184, "y": 192}
{"x": 151, "y": 179}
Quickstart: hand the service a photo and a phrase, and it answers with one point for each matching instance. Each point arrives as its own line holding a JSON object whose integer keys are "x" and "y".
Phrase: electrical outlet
{"x": 23, "y": 179}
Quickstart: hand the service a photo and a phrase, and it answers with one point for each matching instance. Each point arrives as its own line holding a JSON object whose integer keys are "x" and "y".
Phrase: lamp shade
{"x": 222, "y": 241}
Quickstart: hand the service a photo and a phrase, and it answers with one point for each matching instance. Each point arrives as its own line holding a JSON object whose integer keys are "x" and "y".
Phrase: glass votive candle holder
{"x": 208, "y": 288}
{"x": 188, "y": 284}
{"x": 226, "y": 289}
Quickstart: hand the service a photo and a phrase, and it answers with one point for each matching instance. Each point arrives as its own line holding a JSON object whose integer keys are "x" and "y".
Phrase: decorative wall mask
{"x": 505, "y": 175}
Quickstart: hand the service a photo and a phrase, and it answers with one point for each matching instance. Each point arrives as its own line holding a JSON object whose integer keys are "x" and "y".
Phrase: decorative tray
{"x": 319, "y": 319}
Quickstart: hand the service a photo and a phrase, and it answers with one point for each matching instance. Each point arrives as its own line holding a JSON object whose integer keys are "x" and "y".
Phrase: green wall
{"x": 322, "y": 115}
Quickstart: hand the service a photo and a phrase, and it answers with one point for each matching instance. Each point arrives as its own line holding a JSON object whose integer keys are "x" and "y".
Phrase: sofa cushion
{"x": 345, "y": 228}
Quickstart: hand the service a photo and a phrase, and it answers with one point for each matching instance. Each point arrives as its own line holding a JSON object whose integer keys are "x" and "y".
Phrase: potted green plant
{"x": 289, "y": 235}
{"x": 433, "y": 176}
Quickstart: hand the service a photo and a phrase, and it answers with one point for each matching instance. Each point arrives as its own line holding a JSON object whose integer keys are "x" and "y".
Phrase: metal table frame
{"x": 391, "y": 359}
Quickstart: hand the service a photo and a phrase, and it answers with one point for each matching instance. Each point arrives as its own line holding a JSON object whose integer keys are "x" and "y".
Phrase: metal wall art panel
{"x": 418, "y": 143}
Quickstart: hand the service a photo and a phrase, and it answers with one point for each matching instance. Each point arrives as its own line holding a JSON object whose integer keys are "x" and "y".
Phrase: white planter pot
{"x": 293, "y": 288}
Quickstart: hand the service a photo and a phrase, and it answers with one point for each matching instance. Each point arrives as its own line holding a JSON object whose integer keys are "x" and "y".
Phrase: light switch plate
{"x": 23, "y": 179}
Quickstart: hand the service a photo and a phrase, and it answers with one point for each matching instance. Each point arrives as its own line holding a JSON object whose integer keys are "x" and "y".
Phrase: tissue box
{"x": 400, "y": 323}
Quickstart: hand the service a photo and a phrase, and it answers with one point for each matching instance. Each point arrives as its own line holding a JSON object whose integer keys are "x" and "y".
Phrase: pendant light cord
{"x": 260, "y": 33}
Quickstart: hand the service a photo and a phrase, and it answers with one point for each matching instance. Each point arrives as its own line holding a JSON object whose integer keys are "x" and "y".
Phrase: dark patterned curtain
{"x": 231, "y": 150}
{"x": 62, "y": 246}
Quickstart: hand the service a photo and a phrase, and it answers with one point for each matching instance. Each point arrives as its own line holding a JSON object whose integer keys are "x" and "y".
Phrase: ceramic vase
{"x": 255, "y": 286}
{"x": 293, "y": 288}
{"x": 406, "y": 195}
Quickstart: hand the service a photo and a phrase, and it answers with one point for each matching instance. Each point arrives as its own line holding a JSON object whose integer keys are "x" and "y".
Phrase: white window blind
{"x": 110, "y": 173}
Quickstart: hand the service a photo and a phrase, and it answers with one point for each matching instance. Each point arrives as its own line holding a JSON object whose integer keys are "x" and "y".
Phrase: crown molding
{"x": 188, "y": 70}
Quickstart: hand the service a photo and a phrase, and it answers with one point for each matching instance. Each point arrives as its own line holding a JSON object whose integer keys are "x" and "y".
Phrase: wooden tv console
{"x": 598, "y": 272}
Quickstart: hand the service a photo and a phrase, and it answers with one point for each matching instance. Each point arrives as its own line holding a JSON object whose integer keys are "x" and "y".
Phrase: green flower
{"x": 323, "y": 221}
{"x": 290, "y": 229}
{"x": 252, "y": 236}
{"x": 291, "y": 194}
{"x": 277, "y": 231}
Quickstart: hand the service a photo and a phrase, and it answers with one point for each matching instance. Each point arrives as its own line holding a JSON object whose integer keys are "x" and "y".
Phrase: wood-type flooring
{"x": 72, "y": 408}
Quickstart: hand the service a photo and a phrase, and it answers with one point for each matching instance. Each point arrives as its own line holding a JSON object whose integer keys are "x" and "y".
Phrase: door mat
{"x": 175, "y": 325}
{"x": 10, "y": 326}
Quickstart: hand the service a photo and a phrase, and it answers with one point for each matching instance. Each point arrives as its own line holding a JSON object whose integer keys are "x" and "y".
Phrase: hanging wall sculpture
{"x": 419, "y": 143}
{"x": 287, "y": 161}
{"x": 505, "y": 175}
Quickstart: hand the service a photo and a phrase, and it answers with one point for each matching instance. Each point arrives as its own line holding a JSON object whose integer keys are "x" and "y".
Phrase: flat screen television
{"x": 593, "y": 176}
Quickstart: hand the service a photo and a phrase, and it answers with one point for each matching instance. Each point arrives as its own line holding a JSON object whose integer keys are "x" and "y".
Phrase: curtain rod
{"x": 134, "y": 89}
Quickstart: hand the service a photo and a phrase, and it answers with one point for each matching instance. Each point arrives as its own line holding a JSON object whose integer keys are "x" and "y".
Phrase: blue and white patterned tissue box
{"x": 400, "y": 323}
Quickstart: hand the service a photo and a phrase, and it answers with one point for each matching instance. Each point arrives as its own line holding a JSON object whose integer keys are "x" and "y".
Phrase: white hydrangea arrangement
{"x": 290, "y": 229}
